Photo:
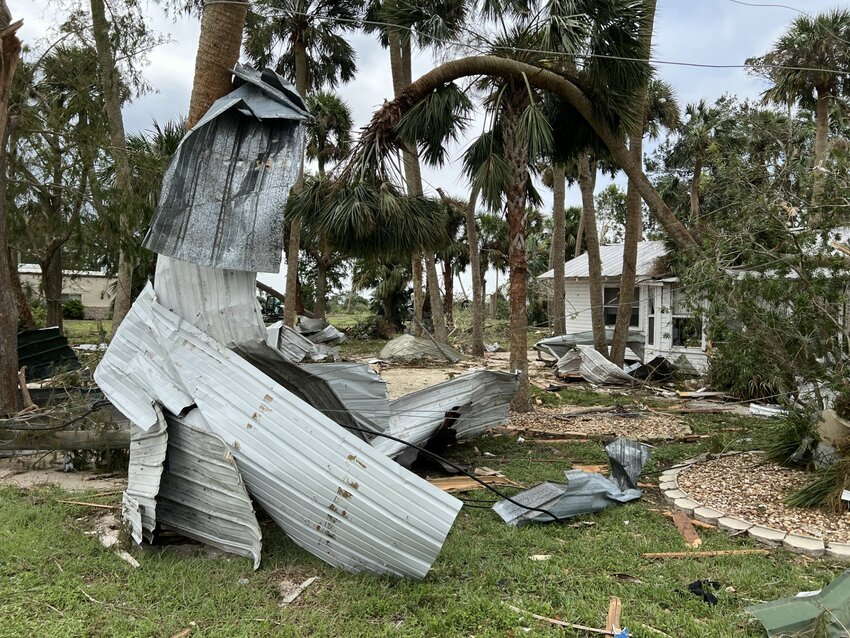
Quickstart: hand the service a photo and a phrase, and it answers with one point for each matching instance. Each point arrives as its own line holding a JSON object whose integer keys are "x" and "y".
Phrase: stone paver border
{"x": 679, "y": 499}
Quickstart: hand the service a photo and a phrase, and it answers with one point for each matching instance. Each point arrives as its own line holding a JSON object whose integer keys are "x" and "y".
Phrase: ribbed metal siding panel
{"x": 221, "y": 303}
{"x": 482, "y": 398}
{"x": 361, "y": 390}
{"x": 202, "y": 495}
{"x": 147, "y": 456}
{"x": 333, "y": 494}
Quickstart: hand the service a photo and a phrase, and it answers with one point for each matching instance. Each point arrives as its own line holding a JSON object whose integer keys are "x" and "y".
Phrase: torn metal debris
{"x": 595, "y": 368}
{"x": 221, "y": 197}
{"x": 627, "y": 459}
{"x": 407, "y": 348}
{"x": 559, "y": 345}
{"x": 319, "y": 331}
{"x": 45, "y": 353}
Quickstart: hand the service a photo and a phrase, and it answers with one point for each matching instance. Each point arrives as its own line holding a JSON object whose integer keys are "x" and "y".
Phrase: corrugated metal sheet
{"x": 612, "y": 261}
{"x": 329, "y": 334}
{"x": 45, "y": 353}
{"x": 222, "y": 303}
{"x": 479, "y": 399}
{"x": 333, "y": 494}
{"x": 147, "y": 456}
{"x": 627, "y": 459}
{"x": 595, "y": 368}
{"x": 559, "y": 345}
{"x": 409, "y": 348}
{"x": 223, "y": 195}
{"x": 202, "y": 495}
{"x": 292, "y": 344}
{"x": 361, "y": 390}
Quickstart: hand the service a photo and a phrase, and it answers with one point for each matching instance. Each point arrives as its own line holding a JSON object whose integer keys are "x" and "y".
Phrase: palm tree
{"x": 304, "y": 41}
{"x": 328, "y": 140}
{"x": 809, "y": 66}
{"x": 429, "y": 24}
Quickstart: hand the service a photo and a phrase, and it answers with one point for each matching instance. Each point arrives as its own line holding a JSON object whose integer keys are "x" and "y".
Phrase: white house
{"x": 669, "y": 328}
{"x": 94, "y": 289}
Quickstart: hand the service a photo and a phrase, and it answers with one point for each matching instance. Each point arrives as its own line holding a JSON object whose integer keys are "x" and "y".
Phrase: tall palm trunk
{"x": 218, "y": 51}
{"x": 448, "y": 292}
{"x": 634, "y": 211}
{"x": 558, "y": 313}
{"x": 587, "y": 183}
{"x": 821, "y": 139}
{"x": 579, "y": 235}
{"x": 118, "y": 148}
{"x": 437, "y": 317}
{"x": 516, "y": 157}
{"x": 10, "y": 51}
{"x": 695, "y": 190}
{"x": 477, "y": 278}
{"x": 322, "y": 265}
{"x": 290, "y": 308}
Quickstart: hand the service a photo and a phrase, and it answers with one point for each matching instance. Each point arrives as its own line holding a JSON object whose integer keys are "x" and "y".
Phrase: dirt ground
{"x": 29, "y": 471}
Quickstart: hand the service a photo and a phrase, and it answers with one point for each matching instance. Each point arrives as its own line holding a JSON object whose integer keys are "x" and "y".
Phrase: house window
{"x": 651, "y": 314}
{"x": 69, "y": 296}
{"x": 687, "y": 329}
{"x": 611, "y": 296}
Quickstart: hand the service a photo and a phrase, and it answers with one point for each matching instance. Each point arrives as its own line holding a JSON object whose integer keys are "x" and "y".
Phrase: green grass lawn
{"x": 86, "y": 330}
{"x": 56, "y": 581}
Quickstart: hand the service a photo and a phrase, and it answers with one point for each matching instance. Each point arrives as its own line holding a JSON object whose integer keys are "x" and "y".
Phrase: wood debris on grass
{"x": 709, "y": 554}
{"x": 485, "y": 475}
{"x": 648, "y": 426}
{"x": 748, "y": 487}
{"x": 290, "y": 591}
{"x": 561, "y": 623}
{"x": 686, "y": 529}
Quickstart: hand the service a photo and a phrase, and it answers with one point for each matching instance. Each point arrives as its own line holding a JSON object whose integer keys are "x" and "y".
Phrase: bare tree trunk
{"x": 516, "y": 155}
{"x": 557, "y": 314}
{"x": 437, "y": 317}
{"x": 634, "y": 212}
{"x": 448, "y": 292}
{"x": 587, "y": 183}
{"x": 218, "y": 51}
{"x": 322, "y": 265}
{"x": 695, "y": 191}
{"x": 477, "y": 279}
{"x": 51, "y": 285}
{"x": 290, "y": 309}
{"x": 118, "y": 147}
{"x": 10, "y": 51}
{"x": 821, "y": 143}
{"x": 25, "y": 318}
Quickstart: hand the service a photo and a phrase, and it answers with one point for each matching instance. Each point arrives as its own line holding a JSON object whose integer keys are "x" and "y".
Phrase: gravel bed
{"x": 647, "y": 426}
{"x": 748, "y": 487}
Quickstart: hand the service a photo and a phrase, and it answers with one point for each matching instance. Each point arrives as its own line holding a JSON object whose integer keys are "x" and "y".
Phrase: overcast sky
{"x": 717, "y": 32}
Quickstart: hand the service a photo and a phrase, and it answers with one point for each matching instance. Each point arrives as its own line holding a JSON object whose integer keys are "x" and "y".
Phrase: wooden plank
{"x": 97, "y": 505}
{"x": 561, "y": 623}
{"x": 694, "y": 521}
{"x": 464, "y": 483}
{"x": 615, "y": 610}
{"x": 723, "y": 552}
{"x": 686, "y": 529}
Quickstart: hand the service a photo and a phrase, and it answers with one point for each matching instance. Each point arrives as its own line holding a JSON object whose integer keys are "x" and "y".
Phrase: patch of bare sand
{"x": 23, "y": 472}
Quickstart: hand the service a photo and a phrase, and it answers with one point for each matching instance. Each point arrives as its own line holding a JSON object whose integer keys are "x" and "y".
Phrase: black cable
{"x": 97, "y": 405}
{"x": 460, "y": 469}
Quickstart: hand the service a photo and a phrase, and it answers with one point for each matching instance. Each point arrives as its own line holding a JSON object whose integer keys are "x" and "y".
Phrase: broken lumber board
{"x": 464, "y": 483}
{"x": 710, "y": 554}
{"x": 98, "y": 505}
{"x": 65, "y": 440}
{"x": 694, "y": 521}
{"x": 561, "y": 623}
{"x": 686, "y": 529}
{"x": 615, "y": 610}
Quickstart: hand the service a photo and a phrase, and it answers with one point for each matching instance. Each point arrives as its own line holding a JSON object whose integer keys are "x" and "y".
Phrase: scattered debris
{"x": 492, "y": 347}
{"x": 584, "y": 493}
{"x": 560, "y": 623}
{"x": 559, "y": 346}
{"x": 703, "y": 589}
{"x": 693, "y": 521}
{"x": 97, "y": 505}
{"x": 186, "y": 631}
{"x": 686, "y": 529}
{"x": 708, "y": 554}
{"x": 768, "y": 411}
{"x": 824, "y": 613}
{"x": 615, "y": 610}
{"x": 319, "y": 331}
{"x": 627, "y": 459}
{"x": 290, "y": 591}
{"x": 595, "y": 368}
{"x": 408, "y": 348}
{"x": 296, "y": 347}
{"x": 539, "y": 557}
{"x": 454, "y": 484}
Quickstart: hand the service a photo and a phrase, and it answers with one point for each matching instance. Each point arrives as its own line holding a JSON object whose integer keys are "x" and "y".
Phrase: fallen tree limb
{"x": 64, "y": 440}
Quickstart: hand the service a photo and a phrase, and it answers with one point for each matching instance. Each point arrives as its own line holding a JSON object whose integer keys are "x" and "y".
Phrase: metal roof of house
{"x": 612, "y": 261}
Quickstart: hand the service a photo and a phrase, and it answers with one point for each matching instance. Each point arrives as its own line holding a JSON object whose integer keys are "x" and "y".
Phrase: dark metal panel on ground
{"x": 45, "y": 353}
{"x": 223, "y": 195}
{"x": 202, "y": 495}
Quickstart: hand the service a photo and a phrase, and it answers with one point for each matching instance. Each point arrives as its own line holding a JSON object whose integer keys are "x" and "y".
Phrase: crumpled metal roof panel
{"x": 333, "y": 494}
{"x": 147, "y": 456}
{"x": 482, "y": 398}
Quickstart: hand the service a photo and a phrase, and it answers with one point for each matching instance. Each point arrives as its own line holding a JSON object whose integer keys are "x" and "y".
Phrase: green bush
{"x": 73, "y": 310}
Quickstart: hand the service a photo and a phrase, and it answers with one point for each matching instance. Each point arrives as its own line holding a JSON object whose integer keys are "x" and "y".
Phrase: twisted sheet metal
{"x": 333, "y": 494}
{"x": 147, "y": 456}
{"x": 202, "y": 495}
{"x": 223, "y": 194}
{"x": 478, "y": 399}
{"x": 361, "y": 390}
{"x": 221, "y": 303}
